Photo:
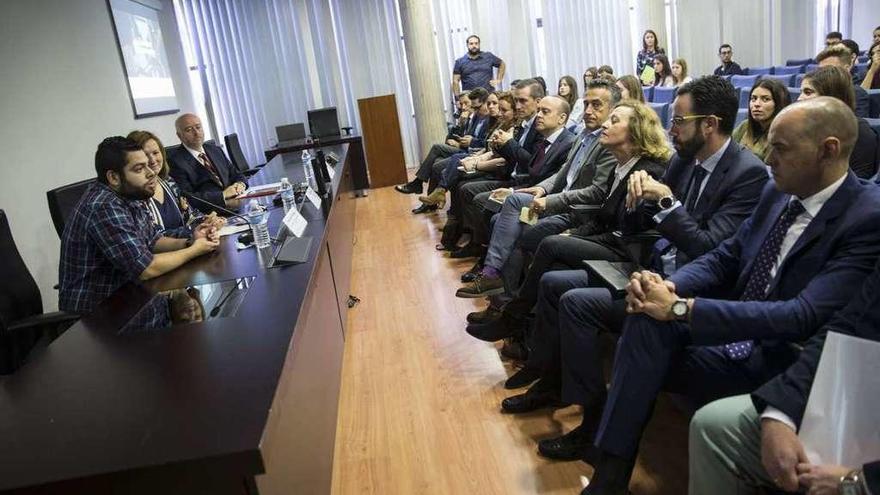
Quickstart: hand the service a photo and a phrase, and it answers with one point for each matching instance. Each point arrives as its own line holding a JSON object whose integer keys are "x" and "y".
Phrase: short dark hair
{"x": 478, "y": 94}
{"x": 611, "y": 86}
{"x": 112, "y": 154}
{"x": 834, "y": 34}
{"x": 468, "y": 40}
{"x": 852, "y": 45}
{"x": 542, "y": 82}
{"x": 713, "y": 95}
{"x": 536, "y": 90}
{"x": 837, "y": 51}
{"x": 725, "y": 45}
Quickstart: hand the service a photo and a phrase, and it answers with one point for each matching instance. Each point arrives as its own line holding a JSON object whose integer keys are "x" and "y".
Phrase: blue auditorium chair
{"x": 743, "y": 81}
{"x": 663, "y": 95}
{"x": 811, "y": 68}
{"x": 741, "y": 114}
{"x": 648, "y": 91}
{"x": 797, "y": 80}
{"x": 744, "y": 95}
{"x": 794, "y": 94}
{"x": 874, "y": 97}
{"x": 752, "y": 71}
{"x": 785, "y": 79}
{"x": 662, "y": 111}
{"x": 799, "y": 61}
{"x": 785, "y": 69}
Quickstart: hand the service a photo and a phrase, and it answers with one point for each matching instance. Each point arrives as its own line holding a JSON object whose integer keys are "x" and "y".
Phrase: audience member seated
{"x": 634, "y": 135}
{"x": 590, "y": 74}
{"x": 110, "y": 239}
{"x": 202, "y": 170}
{"x": 854, "y": 51}
{"x": 728, "y": 67}
{"x": 476, "y": 164}
{"x": 517, "y": 149}
{"x": 742, "y": 443}
{"x": 462, "y": 115}
{"x": 582, "y": 180}
{"x": 606, "y": 71}
{"x": 680, "y": 72}
{"x": 631, "y": 88}
{"x": 872, "y": 76}
{"x": 650, "y": 49}
{"x": 662, "y": 72}
{"x": 767, "y": 98}
{"x": 722, "y": 325}
{"x": 840, "y": 56}
{"x": 474, "y": 137}
{"x": 834, "y": 81}
{"x": 568, "y": 91}
{"x": 833, "y": 38}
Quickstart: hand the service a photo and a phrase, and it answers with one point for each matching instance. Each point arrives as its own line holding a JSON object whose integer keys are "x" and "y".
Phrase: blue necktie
{"x": 759, "y": 279}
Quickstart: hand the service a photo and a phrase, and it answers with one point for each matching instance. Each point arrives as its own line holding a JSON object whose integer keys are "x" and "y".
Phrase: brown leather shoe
{"x": 488, "y": 314}
{"x": 481, "y": 287}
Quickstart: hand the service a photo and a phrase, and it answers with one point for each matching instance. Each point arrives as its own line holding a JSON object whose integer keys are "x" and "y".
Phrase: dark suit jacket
{"x": 790, "y": 390}
{"x": 193, "y": 178}
{"x": 820, "y": 274}
{"x": 863, "y": 102}
{"x": 863, "y": 159}
{"x": 479, "y": 138}
{"x": 613, "y": 216}
{"x": 554, "y": 158}
{"x": 730, "y": 196}
{"x": 518, "y": 157}
{"x": 460, "y": 128}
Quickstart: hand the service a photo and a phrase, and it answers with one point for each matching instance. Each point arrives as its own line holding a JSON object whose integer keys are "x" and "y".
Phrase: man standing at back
{"x": 475, "y": 68}
{"x": 202, "y": 169}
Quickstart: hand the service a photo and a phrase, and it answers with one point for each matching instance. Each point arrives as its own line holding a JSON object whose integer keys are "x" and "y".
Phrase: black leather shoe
{"x": 515, "y": 349}
{"x": 610, "y": 476}
{"x": 492, "y": 331}
{"x": 488, "y": 314}
{"x": 412, "y": 187}
{"x": 522, "y": 378}
{"x": 470, "y": 250}
{"x": 531, "y": 401}
{"x": 471, "y": 274}
{"x": 574, "y": 445}
{"x": 424, "y": 209}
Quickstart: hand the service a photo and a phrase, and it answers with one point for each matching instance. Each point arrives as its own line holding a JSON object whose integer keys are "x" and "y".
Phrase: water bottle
{"x": 307, "y": 166}
{"x": 258, "y": 217}
{"x": 287, "y": 195}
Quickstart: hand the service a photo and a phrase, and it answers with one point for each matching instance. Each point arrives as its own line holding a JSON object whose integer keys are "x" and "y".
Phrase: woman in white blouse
{"x": 568, "y": 91}
{"x": 680, "y": 72}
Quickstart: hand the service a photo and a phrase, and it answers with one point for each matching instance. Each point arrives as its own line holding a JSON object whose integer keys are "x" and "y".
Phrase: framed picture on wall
{"x": 144, "y": 61}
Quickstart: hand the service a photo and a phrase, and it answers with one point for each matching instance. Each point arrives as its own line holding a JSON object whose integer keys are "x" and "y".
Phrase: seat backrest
{"x": 784, "y": 69}
{"x": 798, "y": 78}
{"x": 233, "y": 148}
{"x": 290, "y": 132}
{"x": 663, "y": 95}
{"x": 743, "y": 81}
{"x": 794, "y": 94}
{"x": 744, "y": 95}
{"x": 811, "y": 68}
{"x": 752, "y": 71}
{"x": 741, "y": 114}
{"x": 662, "y": 111}
{"x": 63, "y": 200}
{"x": 785, "y": 79}
{"x": 799, "y": 61}
{"x": 648, "y": 91}
{"x": 19, "y": 294}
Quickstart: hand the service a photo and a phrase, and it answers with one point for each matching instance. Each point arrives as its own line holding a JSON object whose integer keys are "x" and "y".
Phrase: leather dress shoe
{"x": 470, "y": 250}
{"x": 611, "y": 475}
{"x": 481, "y": 287}
{"x": 488, "y": 314}
{"x": 574, "y": 445}
{"x": 471, "y": 274}
{"x": 491, "y": 331}
{"x": 412, "y": 187}
{"x": 424, "y": 209}
{"x": 531, "y": 401}
{"x": 515, "y": 349}
{"x": 522, "y": 378}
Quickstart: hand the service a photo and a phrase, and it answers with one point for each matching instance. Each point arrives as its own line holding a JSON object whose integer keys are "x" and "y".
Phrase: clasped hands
{"x": 500, "y": 138}
{"x": 649, "y": 294}
{"x": 642, "y": 186}
{"x": 234, "y": 190}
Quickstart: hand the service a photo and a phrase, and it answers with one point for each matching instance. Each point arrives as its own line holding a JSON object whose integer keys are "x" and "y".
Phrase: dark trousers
{"x": 437, "y": 151}
{"x": 654, "y": 356}
{"x": 527, "y": 243}
{"x": 475, "y": 217}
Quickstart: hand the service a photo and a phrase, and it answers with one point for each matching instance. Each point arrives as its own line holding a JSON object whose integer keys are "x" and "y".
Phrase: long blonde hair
{"x": 646, "y": 132}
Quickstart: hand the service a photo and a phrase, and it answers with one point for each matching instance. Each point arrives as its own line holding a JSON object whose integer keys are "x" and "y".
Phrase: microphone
{"x": 229, "y": 212}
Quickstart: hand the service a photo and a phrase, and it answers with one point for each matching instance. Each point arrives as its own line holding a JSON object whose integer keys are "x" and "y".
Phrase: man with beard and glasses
{"x": 475, "y": 68}
{"x": 111, "y": 240}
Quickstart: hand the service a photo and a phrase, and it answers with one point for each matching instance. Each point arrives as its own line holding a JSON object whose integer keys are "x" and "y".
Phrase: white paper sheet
{"x": 295, "y": 222}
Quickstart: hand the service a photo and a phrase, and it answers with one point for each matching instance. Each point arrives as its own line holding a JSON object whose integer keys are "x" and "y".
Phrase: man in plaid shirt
{"x": 110, "y": 239}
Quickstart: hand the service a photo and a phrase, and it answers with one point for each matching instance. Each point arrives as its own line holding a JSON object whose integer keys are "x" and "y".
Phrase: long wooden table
{"x": 239, "y": 405}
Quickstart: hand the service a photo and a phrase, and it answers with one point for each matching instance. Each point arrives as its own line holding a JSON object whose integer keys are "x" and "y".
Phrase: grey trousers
{"x": 725, "y": 449}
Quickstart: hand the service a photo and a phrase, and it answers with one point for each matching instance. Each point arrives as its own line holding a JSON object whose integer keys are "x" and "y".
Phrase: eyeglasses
{"x": 681, "y": 119}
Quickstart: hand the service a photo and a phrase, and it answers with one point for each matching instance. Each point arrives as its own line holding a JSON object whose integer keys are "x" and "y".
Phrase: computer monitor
{"x": 323, "y": 122}
{"x": 290, "y": 132}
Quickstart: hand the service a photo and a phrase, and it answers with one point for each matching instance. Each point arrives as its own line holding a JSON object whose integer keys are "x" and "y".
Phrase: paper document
{"x": 499, "y": 195}
{"x": 527, "y": 216}
{"x": 233, "y": 229}
{"x": 295, "y": 222}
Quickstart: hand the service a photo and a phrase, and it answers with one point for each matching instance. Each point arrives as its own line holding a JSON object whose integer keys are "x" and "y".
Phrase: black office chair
{"x": 290, "y": 132}
{"x": 22, "y": 321}
{"x": 233, "y": 148}
{"x": 63, "y": 200}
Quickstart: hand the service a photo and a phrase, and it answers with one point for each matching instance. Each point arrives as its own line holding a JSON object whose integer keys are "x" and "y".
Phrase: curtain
{"x": 579, "y": 34}
{"x": 267, "y": 62}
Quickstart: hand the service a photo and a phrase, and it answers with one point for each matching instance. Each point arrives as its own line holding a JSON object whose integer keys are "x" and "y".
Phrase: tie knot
{"x": 795, "y": 208}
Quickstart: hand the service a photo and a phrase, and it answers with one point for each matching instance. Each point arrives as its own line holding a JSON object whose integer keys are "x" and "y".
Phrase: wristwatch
{"x": 666, "y": 202}
{"x": 680, "y": 309}
{"x": 851, "y": 483}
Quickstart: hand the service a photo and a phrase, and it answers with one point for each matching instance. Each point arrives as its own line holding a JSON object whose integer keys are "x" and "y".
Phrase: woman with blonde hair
{"x": 631, "y": 88}
{"x": 680, "y": 72}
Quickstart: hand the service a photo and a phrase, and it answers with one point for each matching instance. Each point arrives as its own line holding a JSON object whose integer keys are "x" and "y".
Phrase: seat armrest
{"x": 645, "y": 236}
{"x": 584, "y": 208}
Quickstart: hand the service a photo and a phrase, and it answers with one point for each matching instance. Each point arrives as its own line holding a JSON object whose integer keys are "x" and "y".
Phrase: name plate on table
{"x": 295, "y": 222}
{"x": 331, "y": 173}
{"x": 313, "y": 198}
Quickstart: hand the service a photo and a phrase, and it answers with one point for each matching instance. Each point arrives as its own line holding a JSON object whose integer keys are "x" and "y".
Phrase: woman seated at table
{"x": 767, "y": 98}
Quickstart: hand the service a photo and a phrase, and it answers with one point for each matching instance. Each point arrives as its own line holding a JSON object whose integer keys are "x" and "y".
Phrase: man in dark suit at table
{"x": 741, "y": 443}
{"x": 202, "y": 169}
{"x": 722, "y": 325}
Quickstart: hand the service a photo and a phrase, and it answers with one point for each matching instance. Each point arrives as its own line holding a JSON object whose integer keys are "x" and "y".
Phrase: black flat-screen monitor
{"x": 290, "y": 132}
{"x": 323, "y": 122}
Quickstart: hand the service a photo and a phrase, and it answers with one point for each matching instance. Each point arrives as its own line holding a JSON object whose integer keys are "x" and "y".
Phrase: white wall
{"x": 62, "y": 91}
{"x": 866, "y": 17}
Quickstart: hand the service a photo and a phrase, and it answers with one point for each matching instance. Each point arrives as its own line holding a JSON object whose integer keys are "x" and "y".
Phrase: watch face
{"x": 666, "y": 202}
{"x": 679, "y": 308}
{"x": 848, "y": 487}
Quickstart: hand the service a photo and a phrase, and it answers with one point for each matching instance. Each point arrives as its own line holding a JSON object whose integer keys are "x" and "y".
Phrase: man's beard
{"x": 128, "y": 191}
{"x": 688, "y": 149}
{"x": 473, "y": 51}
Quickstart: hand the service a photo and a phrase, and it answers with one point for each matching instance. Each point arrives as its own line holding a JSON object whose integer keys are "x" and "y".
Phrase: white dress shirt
{"x": 620, "y": 172}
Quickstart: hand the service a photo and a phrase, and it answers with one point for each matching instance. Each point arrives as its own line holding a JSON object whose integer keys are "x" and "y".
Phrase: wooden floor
{"x": 419, "y": 408}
